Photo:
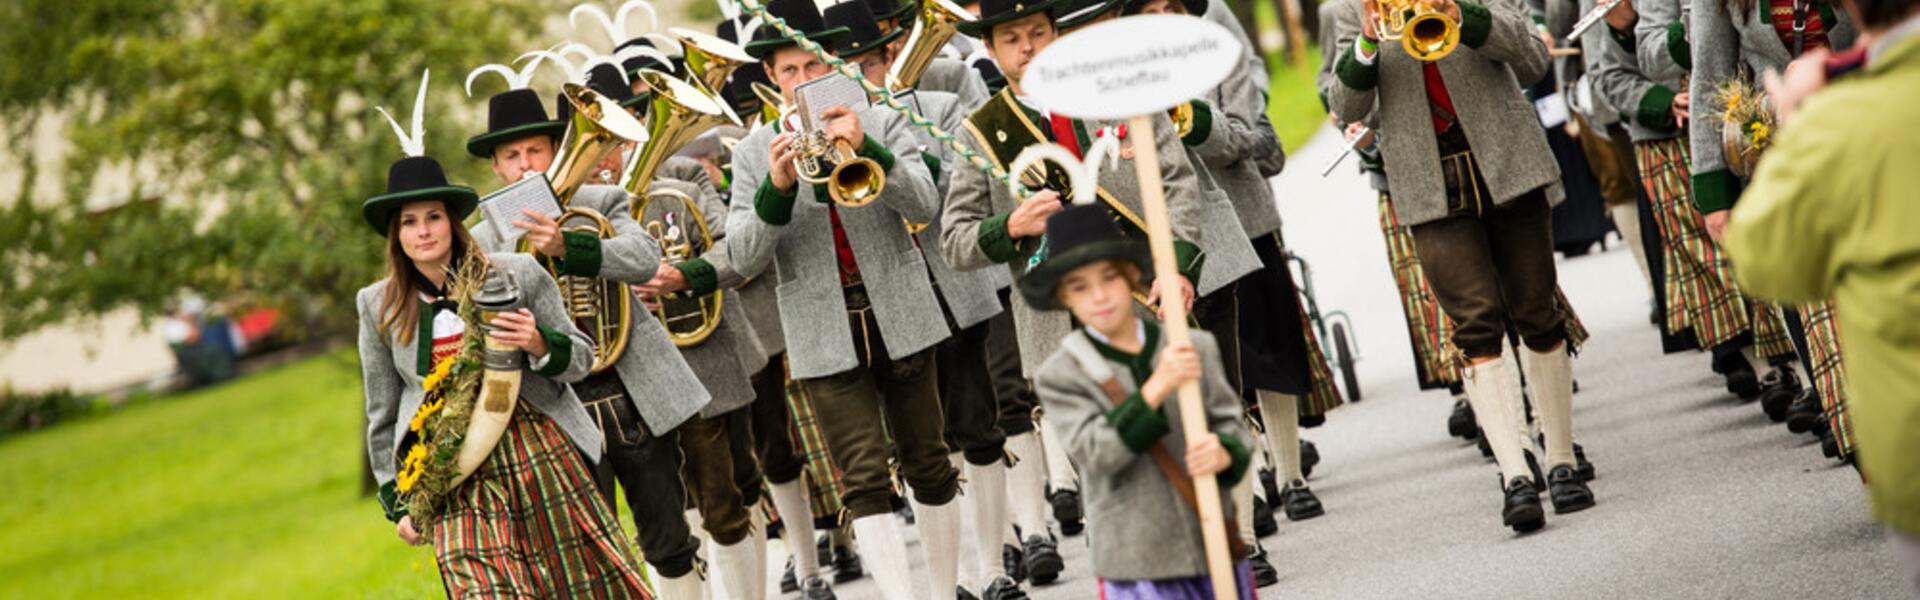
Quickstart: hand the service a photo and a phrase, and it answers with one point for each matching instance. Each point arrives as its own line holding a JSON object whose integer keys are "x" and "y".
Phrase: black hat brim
{"x": 877, "y": 43}
{"x": 1083, "y": 17}
{"x": 481, "y": 146}
{"x": 1040, "y": 282}
{"x": 978, "y": 27}
{"x": 378, "y": 210}
{"x": 1194, "y": 7}
{"x": 759, "y": 49}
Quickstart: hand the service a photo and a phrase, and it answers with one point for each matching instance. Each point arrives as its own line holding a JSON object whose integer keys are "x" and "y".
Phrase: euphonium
{"x": 772, "y": 106}
{"x": 678, "y": 112}
{"x": 852, "y": 181}
{"x": 1426, "y": 34}
{"x": 933, "y": 25}
{"x": 683, "y": 235}
{"x": 600, "y": 307}
{"x": 710, "y": 59}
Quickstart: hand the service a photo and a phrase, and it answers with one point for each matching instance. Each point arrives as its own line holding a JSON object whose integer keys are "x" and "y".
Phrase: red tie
{"x": 1063, "y": 134}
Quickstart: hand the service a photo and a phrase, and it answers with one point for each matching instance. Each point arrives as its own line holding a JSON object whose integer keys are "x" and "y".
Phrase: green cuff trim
{"x": 390, "y": 502}
{"x": 559, "y": 352}
{"x": 772, "y": 205}
{"x": 1715, "y": 191}
{"x": 1190, "y": 259}
{"x": 423, "y": 342}
{"x": 1677, "y": 47}
{"x": 1623, "y": 39}
{"x": 933, "y": 164}
{"x": 582, "y": 257}
{"x": 873, "y": 149}
{"x": 1355, "y": 75}
{"x": 1656, "y": 109}
{"x": 1139, "y": 427}
{"x": 994, "y": 239}
{"x": 1202, "y": 125}
{"x": 1242, "y": 457}
{"x": 1476, "y": 23}
{"x": 701, "y": 277}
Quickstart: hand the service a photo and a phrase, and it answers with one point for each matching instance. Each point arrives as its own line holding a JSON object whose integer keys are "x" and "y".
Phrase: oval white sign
{"x": 1130, "y": 67}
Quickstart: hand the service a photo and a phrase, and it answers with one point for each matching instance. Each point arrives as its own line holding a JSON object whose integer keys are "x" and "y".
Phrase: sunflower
{"x": 427, "y": 408}
{"x": 1760, "y": 133}
{"x": 439, "y": 373}
{"x": 412, "y": 468}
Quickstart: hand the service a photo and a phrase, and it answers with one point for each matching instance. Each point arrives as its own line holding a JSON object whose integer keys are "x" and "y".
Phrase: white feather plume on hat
{"x": 416, "y": 143}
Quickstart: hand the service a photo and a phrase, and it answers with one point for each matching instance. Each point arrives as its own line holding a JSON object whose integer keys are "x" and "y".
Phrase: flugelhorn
{"x": 933, "y": 25}
{"x": 677, "y": 113}
{"x": 852, "y": 181}
{"x": 673, "y": 219}
{"x": 1426, "y": 34}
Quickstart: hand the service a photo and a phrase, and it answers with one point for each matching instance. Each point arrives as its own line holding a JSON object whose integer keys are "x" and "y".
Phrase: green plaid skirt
{"x": 1829, "y": 371}
{"x": 1699, "y": 281}
{"x": 1324, "y": 396}
{"x": 530, "y": 524}
{"x": 822, "y": 477}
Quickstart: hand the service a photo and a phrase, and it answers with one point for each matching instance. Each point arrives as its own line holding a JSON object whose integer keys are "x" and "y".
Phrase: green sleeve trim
{"x": 1715, "y": 191}
{"x": 1826, "y": 15}
{"x": 390, "y": 502}
{"x": 873, "y": 149}
{"x": 423, "y": 342}
{"x": 1476, "y": 23}
{"x": 772, "y": 205}
{"x": 1242, "y": 457}
{"x": 933, "y": 164}
{"x": 1202, "y": 125}
{"x": 701, "y": 277}
{"x": 1190, "y": 259}
{"x": 582, "y": 256}
{"x": 1656, "y": 109}
{"x": 1677, "y": 47}
{"x": 1624, "y": 39}
{"x": 559, "y": 352}
{"x": 1139, "y": 427}
{"x": 1355, "y": 75}
{"x": 994, "y": 239}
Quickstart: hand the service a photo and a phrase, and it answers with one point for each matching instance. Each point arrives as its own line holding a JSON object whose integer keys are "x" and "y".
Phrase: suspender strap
{"x": 1176, "y": 475}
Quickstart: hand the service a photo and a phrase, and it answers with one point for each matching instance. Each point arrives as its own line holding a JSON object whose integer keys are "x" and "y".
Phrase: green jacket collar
{"x": 1141, "y": 365}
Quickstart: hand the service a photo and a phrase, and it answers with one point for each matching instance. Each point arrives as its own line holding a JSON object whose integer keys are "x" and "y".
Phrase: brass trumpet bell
{"x": 678, "y": 113}
{"x": 710, "y": 59}
{"x": 598, "y": 126}
{"x": 1425, "y": 34}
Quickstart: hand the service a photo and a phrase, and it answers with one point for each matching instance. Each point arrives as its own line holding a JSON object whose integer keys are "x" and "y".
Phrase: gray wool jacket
{"x": 1498, "y": 55}
{"x": 794, "y": 237}
{"x": 1645, "y": 101}
{"x": 1239, "y": 139}
{"x": 972, "y": 296}
{"x": 1138, "y": 526}
{"x": 755, "y": 296}
{"x": 726, "y": 360}
{"x": 954, "y": 77}
{"x": 664, "y": 389}
{"x": 1220, "y": 13}
{"x": 391, "y": 378}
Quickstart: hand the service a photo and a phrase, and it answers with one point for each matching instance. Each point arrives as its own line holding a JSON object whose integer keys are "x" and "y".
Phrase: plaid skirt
{"x": 1829, "y": 371}
{"x": 1324, "y": 396}
{"x": 530, "y": 524}
{"x": 1699, "y": 281}
{"x": 822, "y": 477}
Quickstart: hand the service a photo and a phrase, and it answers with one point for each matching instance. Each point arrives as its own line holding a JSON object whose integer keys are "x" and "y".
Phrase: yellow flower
{"x": 412, "y": 468}
{"x": 432, "y": 405}
{"x": 438, "y": 374}
{"x": 1760, "y": 133}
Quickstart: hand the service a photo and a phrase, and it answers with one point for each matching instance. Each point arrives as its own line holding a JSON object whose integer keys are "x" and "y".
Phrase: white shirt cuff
{"x": 1361, "y": 56}
{"x": 540, "y": 363}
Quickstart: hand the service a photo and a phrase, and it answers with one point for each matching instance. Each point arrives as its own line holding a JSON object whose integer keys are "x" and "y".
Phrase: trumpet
{"x": 932, "y": 27}
{"x": 852, "y": 181}
{"x": 1426, "y": 34}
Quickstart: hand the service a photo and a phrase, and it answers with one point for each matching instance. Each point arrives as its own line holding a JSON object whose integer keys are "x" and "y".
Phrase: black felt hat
{"x": 863, "y": 30}
{"x": 891, "y": 9}
{"x": 1074, "y": 13}
{"x": 739, "y": 90}
{"x": 995, "y": 12}
{"x": 511, "y": 115}
{"x": 801, "y": 15}
{"x": 635, "y": 64}
{"x": 1194, "y": 7}
{"x": 413, "y": 179}
{"x": 1077, "y": 236}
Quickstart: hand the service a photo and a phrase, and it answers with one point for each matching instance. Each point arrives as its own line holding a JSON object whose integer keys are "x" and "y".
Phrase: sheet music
{"x": 827, "y": 92}
{"x": 503, "y": 206}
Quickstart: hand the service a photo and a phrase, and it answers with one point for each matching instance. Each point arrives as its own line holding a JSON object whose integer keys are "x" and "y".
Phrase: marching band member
{"x": 875, "y": 367}
{"x": 527, "y": 522}
{"x": 640, "y": 403}
{"x": 1476, "y": 194}
{"x": 943, "y": 74}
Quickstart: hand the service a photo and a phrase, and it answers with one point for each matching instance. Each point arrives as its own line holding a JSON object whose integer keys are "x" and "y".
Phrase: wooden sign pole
{"x": 1193, "y": 416}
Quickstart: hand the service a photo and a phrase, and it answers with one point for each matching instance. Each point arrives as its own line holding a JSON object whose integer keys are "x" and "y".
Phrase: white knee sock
{"x": 987, "y": 500}
{"x": 1756, "y": 362}
{"x": 1281, "y": 414}
{"x": 733, "y": 568}
{"x": 1525, "y": 426}
{"x": 688, "y": 586}
{"x": 1027, "y": 484}
{"x": 1626, "y": 218}
{"x": 1550, "y": 374}
{"x": 757, "y": 539}
{"x": 1243, "y": 508}
{"x": 1493, "y": 388}
{"x": 939, "y": 527}
{"x": 790, "y": 499}
{"x": 1059, "y": 470}
{"x": 883, "y": 550}
{"x": 1260, "y": 463}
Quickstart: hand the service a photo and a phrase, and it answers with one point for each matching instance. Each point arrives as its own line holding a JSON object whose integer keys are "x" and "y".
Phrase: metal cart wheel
{"x": 1343, "y": 360}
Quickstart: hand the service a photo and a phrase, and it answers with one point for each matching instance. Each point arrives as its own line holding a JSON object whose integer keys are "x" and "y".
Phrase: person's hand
{"x": 1370, "y": 20}
{"x": 665, "y": 281}
{"x": 407, "y": 533}
{"x": 783, "y": 151}
{"x": 1179, "y": 364}
{"x": 543, "y": 233}
{"x": 1186, "y": 295}
{"x": 1359, "y": 131}
{"x": 1717, "y": 225}
{"x": 1622, "y": 16}
{"x": 714, "y": 173}
{"x": 1682, "y": 109}
{"x": 1206, "y": 456}
{"x": 1030, "y": 218}
{"x": 1804, "y": 76}
{"x": 517, "y": 329}
{"x": 1448, "y": 8}
{"x": 844, "y": 125}
{"x": 647, "y": 299}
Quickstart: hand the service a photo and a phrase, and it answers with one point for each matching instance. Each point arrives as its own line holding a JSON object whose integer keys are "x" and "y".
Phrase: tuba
{"x": 933, "y": 25}
{"x": 688, "y": 320}
{"x": 852, "y": 181}
{"x": 1426, "y": 34}
{"x": 678, "y": 112}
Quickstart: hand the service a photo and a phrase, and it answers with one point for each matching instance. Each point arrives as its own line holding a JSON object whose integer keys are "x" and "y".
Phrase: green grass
{"x": 1293, "y": 101}
{"x": 248, "y": 490}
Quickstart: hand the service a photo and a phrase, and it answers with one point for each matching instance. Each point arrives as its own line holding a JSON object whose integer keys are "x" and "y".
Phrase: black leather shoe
{"x": 1066, "y": 510}
{"x": 1828, "y": 447}
{"x": 1263, "y": 523}
{"x": 1777, "y": 391}
{"x": 788, "y": 583}
{"x": 1263, "y": 572}
{"x": 846, "y": 565}
{"x": 1522, "y": 511}
{"x": 1269, "y": 483}
{"x": 1804, "y": 414}
{"x": 960, "y": 593}
{"x": 1309, "y": 456}
{"x": 1742, "y": 382}
{"x": 816, "y": 589}
{"x": 1312, "y": 421}
{"x": 1013, "y": 562}
{"x": 1042, "y": 560}
{"x": 1533, "y": 466}
{"x": 1485, "y": 450}
{"x": 1002, "y": 588}
{"x": 1299, "y": 502}
{"x": 1460, "y": 424}
{"x": 1581, "y": 466}
{"x": 1568, "y": 492}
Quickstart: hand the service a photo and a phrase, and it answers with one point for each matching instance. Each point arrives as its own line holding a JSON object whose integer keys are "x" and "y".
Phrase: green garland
{"x": 434, "y": 435}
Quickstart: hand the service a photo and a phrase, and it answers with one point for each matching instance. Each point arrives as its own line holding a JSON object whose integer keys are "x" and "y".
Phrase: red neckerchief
{"x": 1063, "y": 134}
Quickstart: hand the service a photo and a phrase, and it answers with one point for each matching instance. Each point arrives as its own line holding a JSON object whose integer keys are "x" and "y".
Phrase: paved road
{"x": 1699, "y": 496}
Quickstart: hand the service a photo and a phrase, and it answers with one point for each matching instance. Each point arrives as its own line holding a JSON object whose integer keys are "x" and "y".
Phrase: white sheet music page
{"x": 504, "y": 205}
{"x": 827, "y": 92}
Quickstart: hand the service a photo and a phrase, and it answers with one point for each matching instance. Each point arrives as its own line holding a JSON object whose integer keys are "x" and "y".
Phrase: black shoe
{"x": 1568, "y": 492}
{"x": 788, "y": 583}
{"x": 1263, "y": 572}
{"x": 1041, "y": 560}
{"x": 1460, "y": 424}
{"x": 846, "y": 565}
{"x": 1580, "y": 464}
{"x": 1828, "y": 447}
{"x": 961, "y": 593}
{"x": 1299, "y": 502}
{"x": 816, "y": 589}
{"x": 1312, "y": 421}
{"x": 1002, "y": 588}
{"x": 1013, "y": 562}
{"x": 1533, "y": 466}
{"x": 1263, "y": 523}
{"x": 1804, "y": 414}
{"x": 1486, "y": 451}
{"x": 1522, "y": 511}
{"x": 1742, "y": 382}
{"x": 1269, "y": 483}
{"x": 1066, "y": 510}
{"x": 1309, "y": 456}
